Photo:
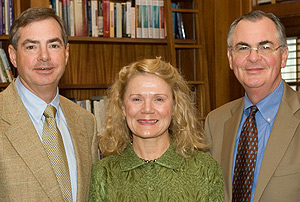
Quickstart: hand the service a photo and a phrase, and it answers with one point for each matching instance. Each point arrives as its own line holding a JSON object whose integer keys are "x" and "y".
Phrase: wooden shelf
{"x": 87, "y": 39}
{"x": 4, "y": 37}
{"x": 83, "y": 86}
{"x": 284, "y": 9}
{"x": 3, "y": 85}
{"x": 178, "y": 10}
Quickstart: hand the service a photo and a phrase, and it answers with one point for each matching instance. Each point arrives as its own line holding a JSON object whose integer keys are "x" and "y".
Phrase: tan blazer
{"x": 25, "y": 170}
{"x": 279, "y": 177}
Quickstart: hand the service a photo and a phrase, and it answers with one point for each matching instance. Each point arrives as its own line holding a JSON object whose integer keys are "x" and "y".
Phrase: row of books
{"x": 6, "y": 74}
{"x": 112, "y": 18}
{"x": 6, "y": 16}
{"x": 97, "y": 106}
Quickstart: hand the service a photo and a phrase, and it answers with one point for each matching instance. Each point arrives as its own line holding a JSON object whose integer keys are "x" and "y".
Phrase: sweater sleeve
{"x": 216, "y": 188}
{"x": 98, "y": 182}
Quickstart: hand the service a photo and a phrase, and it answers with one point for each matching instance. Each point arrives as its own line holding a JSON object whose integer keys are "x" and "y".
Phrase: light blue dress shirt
{"x": 35, "y": 108}
{"x": 267, "y": 110}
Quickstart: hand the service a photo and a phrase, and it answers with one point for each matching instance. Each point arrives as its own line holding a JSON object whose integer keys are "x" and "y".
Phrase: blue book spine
{"x": 10, "y": 14}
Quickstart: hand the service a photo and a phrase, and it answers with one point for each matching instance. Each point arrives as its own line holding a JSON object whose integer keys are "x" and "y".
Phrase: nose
{"x": 254, "y": 55}
{"x": 44, "y": 54}
{"x": 148, "y": 107}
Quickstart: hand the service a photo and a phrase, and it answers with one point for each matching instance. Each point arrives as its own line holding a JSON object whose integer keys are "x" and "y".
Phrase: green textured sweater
{"x": 127, "y": 178}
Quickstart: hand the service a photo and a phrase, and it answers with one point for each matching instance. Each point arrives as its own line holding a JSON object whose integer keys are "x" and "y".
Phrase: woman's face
{"x": 148, "y": 106}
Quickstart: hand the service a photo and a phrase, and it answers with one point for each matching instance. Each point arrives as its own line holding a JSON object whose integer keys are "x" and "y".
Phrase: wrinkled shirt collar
{"x": 170, "y": 159}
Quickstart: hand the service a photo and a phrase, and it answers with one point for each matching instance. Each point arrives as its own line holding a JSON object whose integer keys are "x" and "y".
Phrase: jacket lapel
{"x": 230, "y": 132}
{"x": 282, "y": 132}
{"x": 22, "y": 135}
{"x": 81, "y": 146}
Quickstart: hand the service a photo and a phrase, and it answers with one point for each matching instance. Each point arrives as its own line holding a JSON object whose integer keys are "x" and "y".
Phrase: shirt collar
{"x": 34, "y": 105}
{"x": 170, "y": 159}
{"x": 268, "y": 106}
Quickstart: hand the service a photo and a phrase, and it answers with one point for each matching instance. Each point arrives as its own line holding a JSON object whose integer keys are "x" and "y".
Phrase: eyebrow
{"x": 260, "y": 43}
{"x": 38, "y": 42}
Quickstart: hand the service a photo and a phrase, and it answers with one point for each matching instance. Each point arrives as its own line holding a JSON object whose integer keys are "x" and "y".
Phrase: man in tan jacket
{"x": 39, "y": 50}
{"x": 257, "y": 51}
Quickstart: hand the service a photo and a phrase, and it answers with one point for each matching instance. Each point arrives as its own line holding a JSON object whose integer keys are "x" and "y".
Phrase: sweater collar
{"x": 170, "y": 159}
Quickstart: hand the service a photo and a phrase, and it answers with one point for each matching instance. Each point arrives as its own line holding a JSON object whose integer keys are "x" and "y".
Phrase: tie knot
{"x": 253, "y": 111}
{"x": 50, "y": 111}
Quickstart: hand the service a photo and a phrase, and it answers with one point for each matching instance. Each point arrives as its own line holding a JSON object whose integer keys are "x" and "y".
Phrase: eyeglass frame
{"x": 261, "y": 44}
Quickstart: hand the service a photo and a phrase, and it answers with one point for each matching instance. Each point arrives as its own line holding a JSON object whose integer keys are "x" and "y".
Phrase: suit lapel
{"x": 81, "y": 146}
{"x": 282, "y": 132}
{"x": 24, "y": 139}
{"x": 230, "y": 132}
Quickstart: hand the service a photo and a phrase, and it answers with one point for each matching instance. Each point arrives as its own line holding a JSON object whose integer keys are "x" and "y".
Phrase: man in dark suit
{"x": 257, "y": 51}
{"x": 39, "y": 50}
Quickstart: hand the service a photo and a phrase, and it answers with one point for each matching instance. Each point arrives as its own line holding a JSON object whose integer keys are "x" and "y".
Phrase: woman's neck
{"x": 150, "y": 149}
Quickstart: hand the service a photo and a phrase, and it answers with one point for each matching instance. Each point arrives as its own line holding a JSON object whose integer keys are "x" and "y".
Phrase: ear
{"x": 67, "y": 54}
{"x": 124, "y": 111}
{"x": 12, "y": 55}
{"x": 284, "y": 57}
{"x": 229, "y": 55}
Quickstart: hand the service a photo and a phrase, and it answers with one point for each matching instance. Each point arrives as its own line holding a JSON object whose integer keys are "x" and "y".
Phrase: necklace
{"x": 148, "y": 161}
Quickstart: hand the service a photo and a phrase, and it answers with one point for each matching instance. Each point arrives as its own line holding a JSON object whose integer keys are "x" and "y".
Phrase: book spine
{"x": 3, "y": 74}
{"x": 106, "y": 18}
{"x": 66, "y": 14}
{"x": 100, "y": 18}
{"x": 8, "y": 71}
{"x": 2, "y": 77}
{"x": 144, "y": 20}
{"x": 84, "y": 18}
{"x": 133, "y": 21}
{"x": 118, "y": 15}
{"x": 78, "y": 16}
{"x": 72, "y": 26}
{"x": 174, "y": 20}
{"x": 155, "y": 19}
{"x": 6, "y": 14}
{"x": 10, "y": 13}
{"x": 150, "y": 17}
{"x": 111, "y": 20}
{"x": 180, "y": 26}
{"x": 1, "y": 18}
{"x": 138, "y": 24}
{"x": 161, "y": 19}
{"x": 128, "y": 19}
{"x": 89, "y": 18}
{"x": 124, "y": 19}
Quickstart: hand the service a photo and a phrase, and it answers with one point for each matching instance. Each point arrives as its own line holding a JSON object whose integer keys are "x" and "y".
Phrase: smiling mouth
{"x": 44, "y": 68}
{"x": 154, "y": 121}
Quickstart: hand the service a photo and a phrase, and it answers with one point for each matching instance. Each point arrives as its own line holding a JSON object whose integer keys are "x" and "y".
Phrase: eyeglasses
{"x": 262, "y": 49}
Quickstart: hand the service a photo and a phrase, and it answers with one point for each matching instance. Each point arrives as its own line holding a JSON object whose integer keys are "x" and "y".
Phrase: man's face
{"x": 41, "y": 56}
{"x": 256, "y": 71}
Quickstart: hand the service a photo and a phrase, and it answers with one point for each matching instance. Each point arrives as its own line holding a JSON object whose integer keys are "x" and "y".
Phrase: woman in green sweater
{"x": 153, "y": 145}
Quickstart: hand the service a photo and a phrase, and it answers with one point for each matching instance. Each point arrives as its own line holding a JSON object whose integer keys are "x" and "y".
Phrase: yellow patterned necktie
{"x": 54, "y": 146}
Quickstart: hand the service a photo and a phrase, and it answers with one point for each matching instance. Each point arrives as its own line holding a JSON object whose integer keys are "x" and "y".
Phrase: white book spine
{"x": 132, "y": 24}
{"x": 128, "y": 19}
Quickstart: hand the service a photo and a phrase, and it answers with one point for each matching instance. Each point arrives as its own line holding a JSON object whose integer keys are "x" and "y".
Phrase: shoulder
{"x": 69, "y": 105}
{"x": 203, "y": 163}
{"x": 107, "y": 165}
{"x": 226, "y": 108}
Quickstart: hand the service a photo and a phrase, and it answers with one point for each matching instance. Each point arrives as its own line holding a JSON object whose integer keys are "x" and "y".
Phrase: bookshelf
{"x": 287, "y": 10}
{"x": 95, "y": 61}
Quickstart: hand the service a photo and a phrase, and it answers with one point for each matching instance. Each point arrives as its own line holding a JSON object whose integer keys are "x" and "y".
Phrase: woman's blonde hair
{"x": 185, "y": 127}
